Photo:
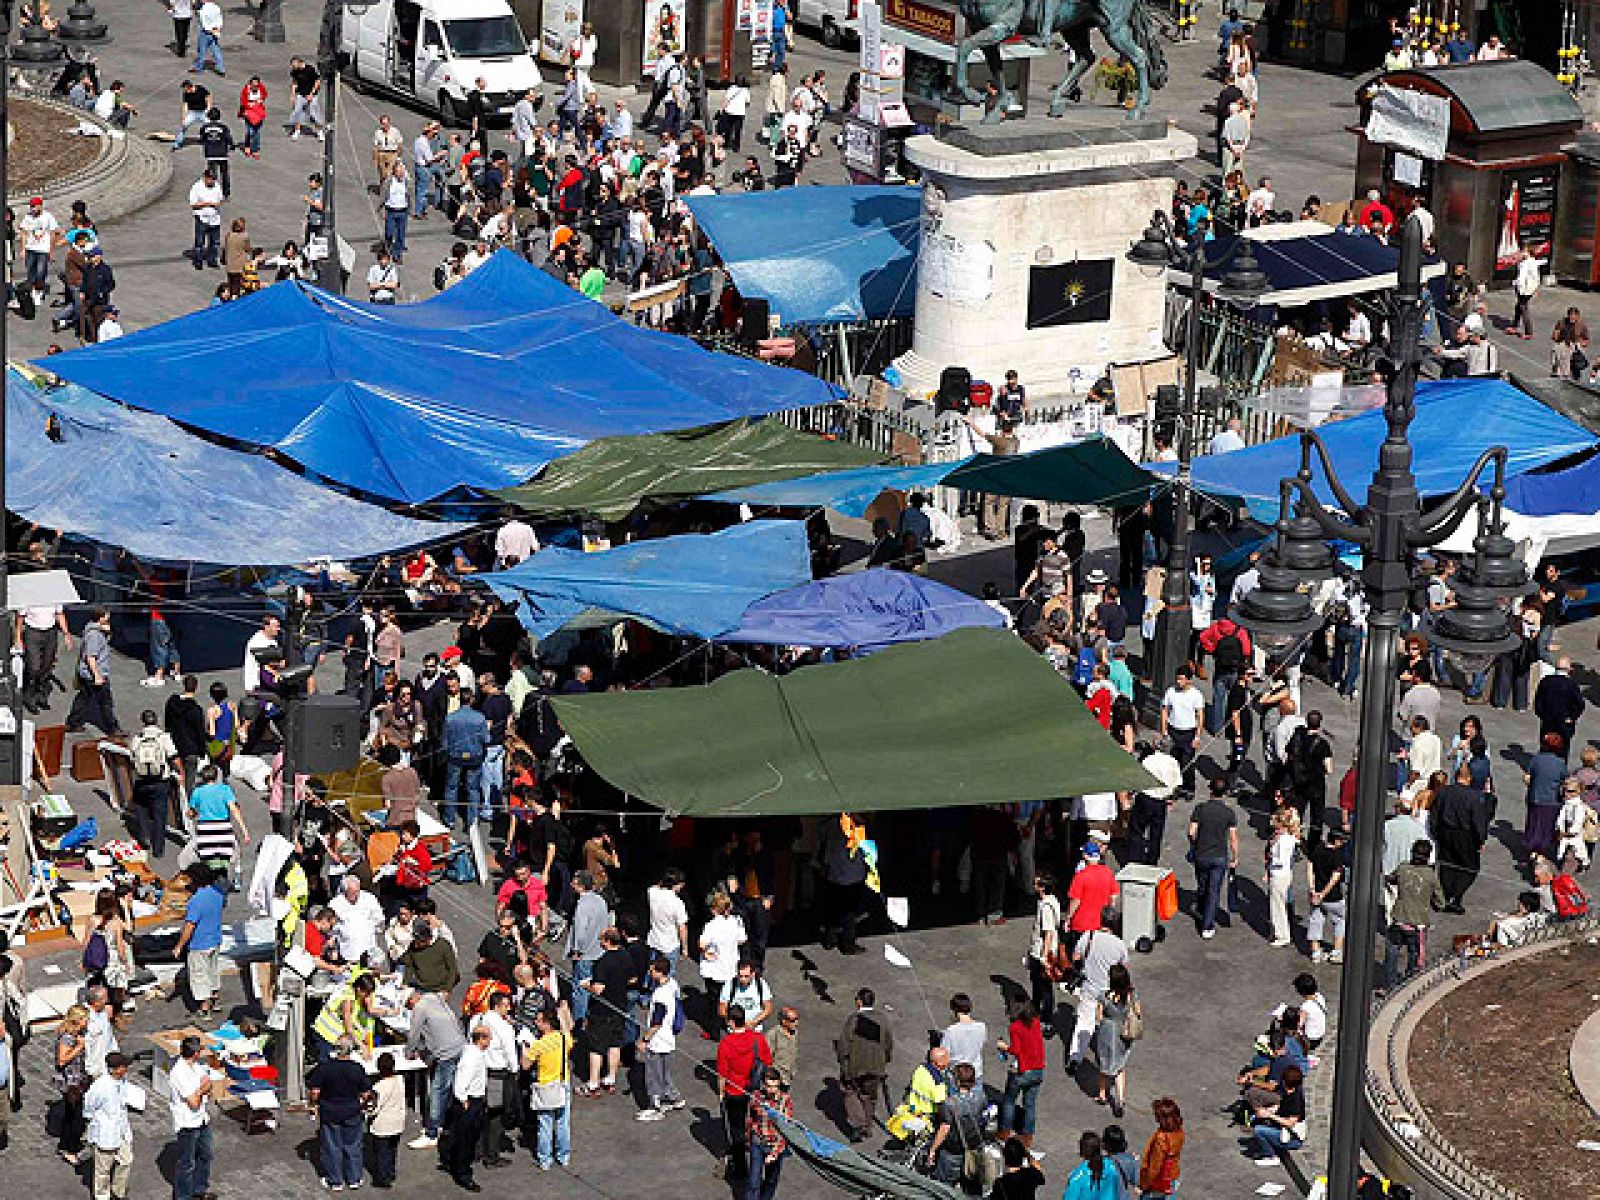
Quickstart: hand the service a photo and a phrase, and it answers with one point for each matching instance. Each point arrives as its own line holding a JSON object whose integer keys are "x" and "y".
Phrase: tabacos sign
{"x": 931, "y": 20}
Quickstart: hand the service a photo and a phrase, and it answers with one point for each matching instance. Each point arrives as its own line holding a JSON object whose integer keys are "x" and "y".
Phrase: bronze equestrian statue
{"x": 1125, "y": 25}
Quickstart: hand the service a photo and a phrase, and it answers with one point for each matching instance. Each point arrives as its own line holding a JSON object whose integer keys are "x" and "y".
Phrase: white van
{"x": 836, "y": 20}
{"x": 433, "y": 51}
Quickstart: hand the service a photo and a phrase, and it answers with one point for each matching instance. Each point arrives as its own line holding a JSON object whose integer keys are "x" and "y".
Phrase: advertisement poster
{"x": 559, "y": 25}
{"x": 663, "y": 29}
{"x": 1527, "y": 217}
{"x": 1077, "y": 293}
{"x": 743, "y": 15}
{"x": 761, "y": 21}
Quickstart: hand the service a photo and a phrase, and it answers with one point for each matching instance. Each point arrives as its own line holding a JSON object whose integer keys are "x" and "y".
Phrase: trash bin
{"x": 1143, "y": 909}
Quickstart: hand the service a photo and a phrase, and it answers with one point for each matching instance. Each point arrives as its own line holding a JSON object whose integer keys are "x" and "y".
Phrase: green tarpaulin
{"x": 610, "y": 476}
{"x": 910, "y": 727}
{"x": 1093, "y": 471}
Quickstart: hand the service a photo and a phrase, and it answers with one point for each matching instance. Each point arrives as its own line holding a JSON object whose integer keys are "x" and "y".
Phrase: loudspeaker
{"x": 755, "y": 321}
{"x": 955, "y": 390}
{"x": 1166, "y": 401}
{"x": 325, "y": 734}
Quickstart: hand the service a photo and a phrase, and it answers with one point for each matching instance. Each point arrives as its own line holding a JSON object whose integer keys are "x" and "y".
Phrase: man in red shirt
{"x": 737, "y": 1054}
{"x": 1375, "y": 216}
{"x": 1093, "y": 889}
{"x": 531, "y": 888}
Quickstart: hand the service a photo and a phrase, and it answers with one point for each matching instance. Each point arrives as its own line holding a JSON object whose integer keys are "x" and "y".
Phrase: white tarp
{"x": 1411, "y": 121}
{"x": 41, "y": 589}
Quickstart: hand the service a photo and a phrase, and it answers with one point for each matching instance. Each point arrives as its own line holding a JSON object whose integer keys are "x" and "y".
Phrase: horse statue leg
{"x": 994, "y": 21}
{"x": 1002, "y": 103}
{"x": 1082, "y": 60}
{"x": 1123, "y": 40}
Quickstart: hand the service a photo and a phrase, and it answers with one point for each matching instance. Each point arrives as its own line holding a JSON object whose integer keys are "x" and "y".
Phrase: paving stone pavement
{"x": 1206, "y": 1000}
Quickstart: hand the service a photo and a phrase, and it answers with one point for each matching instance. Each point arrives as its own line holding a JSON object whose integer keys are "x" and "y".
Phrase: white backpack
{"x": 148, "y": 760}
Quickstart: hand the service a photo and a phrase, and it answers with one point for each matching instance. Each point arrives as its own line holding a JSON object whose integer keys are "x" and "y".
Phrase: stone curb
{"x": 128, "y": 174}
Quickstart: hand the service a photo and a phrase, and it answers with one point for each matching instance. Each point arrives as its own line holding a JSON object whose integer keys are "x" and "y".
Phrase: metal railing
{"x": 1391, "y": 1095}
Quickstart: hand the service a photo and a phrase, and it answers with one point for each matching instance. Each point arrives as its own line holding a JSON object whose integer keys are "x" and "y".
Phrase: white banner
{"x": 1412, "y": 121}
{"x": 560, "y": 23}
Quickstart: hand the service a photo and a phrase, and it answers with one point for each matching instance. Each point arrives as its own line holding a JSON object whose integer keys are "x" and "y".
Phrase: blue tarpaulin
{"x": 694, "y": 584}
{"x": 1456, "y": 421}
{"x": 477, "y": 387}
{"x": 136, "y": 480}
{"x": 819, "y": 254}
{"x": 867, "y": 610}
{"x": 1575, "y": 490}
{"x": 848, "y": 492}
{"x": 1306, "y": 261}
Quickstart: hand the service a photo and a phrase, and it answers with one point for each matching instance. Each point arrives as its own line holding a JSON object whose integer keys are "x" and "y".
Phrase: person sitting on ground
{"x": 1509, "y": 930}
{"x": 1281, "y": 1126}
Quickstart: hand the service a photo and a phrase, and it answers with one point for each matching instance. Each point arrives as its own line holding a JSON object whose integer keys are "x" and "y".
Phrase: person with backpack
{"x": 155, "y": 763}
{"x": 659, "y": 1040}
{"x": 93, "y": 704}
{"x": 1230, "y": 650}
{"x": 1310, "y": 763}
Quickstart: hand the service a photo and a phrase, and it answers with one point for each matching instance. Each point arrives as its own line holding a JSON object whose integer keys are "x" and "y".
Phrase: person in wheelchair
{"x": 913, "y": 1119}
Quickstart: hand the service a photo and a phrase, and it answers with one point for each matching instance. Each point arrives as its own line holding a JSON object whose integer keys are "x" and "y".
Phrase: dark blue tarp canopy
{"x": 1307, "y": 262}
{"x": 868, "y": 611}
{"x": 136, "y": 480}
{"x": 694, "y": 584}
{"x": 819, "y": 254}
{"x": 1456, "y": 421}
{"x": 476, "y": 388}
{"x": 1575, "y": 490}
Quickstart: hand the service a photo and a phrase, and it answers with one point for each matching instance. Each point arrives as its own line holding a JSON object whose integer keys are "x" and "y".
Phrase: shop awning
{"x": 136, "y": 480}
{"x": 612, "y": 476}
{"x": 819, "y": 254}
{"x": 1093, "y": 471}
{"x": 904, "y": 729}
{"x": 1456, "y": 421}
{"x": 1306, "y": 261}
{"x": 867, "y": 611}
{"x": 697, "y": 584}
{"x": 475, "y": 388}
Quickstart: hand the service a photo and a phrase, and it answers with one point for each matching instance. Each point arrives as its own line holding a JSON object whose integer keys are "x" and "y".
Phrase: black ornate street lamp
{"x": 1244, "y": 283}
{"x": 1389, "y": 528}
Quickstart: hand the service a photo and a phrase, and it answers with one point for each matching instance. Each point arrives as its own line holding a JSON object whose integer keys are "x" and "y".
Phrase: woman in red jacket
{"x": 1025, "y": 1048}
{"x": 253, "y": 112}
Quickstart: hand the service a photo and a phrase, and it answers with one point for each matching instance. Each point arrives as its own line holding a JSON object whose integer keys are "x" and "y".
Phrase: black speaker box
{"x": 955, "y": 390}
{"x": 325, "y": 734}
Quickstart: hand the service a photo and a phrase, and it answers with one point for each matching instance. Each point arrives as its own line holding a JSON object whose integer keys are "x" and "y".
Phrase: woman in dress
{"x": 1111, "y": 1047}
{"x": 71, "y": 1080}
{"x": 111, "y": 926}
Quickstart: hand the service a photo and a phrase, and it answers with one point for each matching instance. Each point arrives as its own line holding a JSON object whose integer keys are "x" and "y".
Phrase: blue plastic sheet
{"x": 694, "y": 584}
{"x": 1456, "y": 421}
{"x": 819, "y": 254}
{"x": 136, "y": 480}
{"x": 475, "y": 388}
{"x": 1575, "y": 490}
{"x": 867, "y": 610}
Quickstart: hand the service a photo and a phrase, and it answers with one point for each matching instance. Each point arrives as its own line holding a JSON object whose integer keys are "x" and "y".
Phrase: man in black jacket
{"x": 1461, "y": 818}
{"x": 216, "y": 143}
{"x": 185, "y": 722}
{"x": 98, "y": 284}
{"x": 1558, "y": 703}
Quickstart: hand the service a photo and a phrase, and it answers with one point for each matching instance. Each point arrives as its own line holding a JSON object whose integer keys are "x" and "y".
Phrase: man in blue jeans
{"x": 436, "y": 1038}
{"x": 188, "y": 1086}
{"x": 1214, "y": 846}
{"x": 589, "y": 919}
{"x": 466, "y": 743}
{"x": 337, "y": 1086}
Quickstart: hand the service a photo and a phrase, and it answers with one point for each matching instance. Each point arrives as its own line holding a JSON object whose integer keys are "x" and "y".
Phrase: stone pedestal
{"x": 1026, "y": 227}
